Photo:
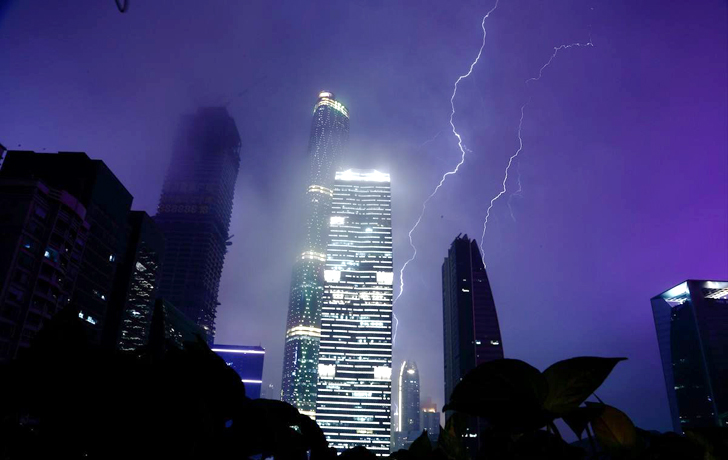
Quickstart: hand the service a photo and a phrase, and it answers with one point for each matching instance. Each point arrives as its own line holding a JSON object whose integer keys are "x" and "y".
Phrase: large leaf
{"x": 507, "y": 392}
{"x": 614, "y": 430}
{"x": 579, "y": 418}
{"x": 713, "y": 440}
{"x": 571, "y": 381}
{"x": 449, "y": 442}
{"x": 421, "y": 447}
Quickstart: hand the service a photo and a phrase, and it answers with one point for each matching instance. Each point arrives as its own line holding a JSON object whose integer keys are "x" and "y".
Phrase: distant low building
{"x": 178, "y": 328}
{"x": 247, "y": 361}
{"x": 431, "y": 422}
{"x": 692, "y": 332}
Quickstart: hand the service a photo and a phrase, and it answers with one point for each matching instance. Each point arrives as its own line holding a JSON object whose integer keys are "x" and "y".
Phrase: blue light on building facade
{"x": 247, "y": 362}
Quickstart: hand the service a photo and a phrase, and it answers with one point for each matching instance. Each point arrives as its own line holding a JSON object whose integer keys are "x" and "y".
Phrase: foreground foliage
{"x": 66, "y": 399}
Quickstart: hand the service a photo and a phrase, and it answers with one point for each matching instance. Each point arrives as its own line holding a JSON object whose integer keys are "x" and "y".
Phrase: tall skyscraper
{"x": 247, "y": 361}
{"x": 329, "y": 136}
{"x": 431, "y": 421}
{"x": 355, "y": 360}
{"x": 470, "y": 322}
{"x": 43, "y": 234}
{"x": 137, "y": 282}
{"x": 692, "y": 332}
{"x": 409, "y": 398}
{"x": 107, "y": 203}
{"x": 194, "y": 213}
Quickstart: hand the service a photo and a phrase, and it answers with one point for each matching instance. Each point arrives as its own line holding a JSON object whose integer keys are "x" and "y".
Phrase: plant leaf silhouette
{"x": 507, "y": 392}
{"x": 614, "y": 430}
{"x": 571, "y": 381}
{"x": 579, "y": 418}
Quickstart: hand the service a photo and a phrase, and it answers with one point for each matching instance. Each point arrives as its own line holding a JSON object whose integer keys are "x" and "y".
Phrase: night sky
{"x": 624, "y": 168}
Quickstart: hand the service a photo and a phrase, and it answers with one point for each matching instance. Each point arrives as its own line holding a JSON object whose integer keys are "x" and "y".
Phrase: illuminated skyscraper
{"x": 692, "y": 332}
{"x": 470, "y": 322}
{"x": 355, "y": 360}
{"x": 137, "y": 280}
{"x": 329, "y": 135}
{"x": 194, "y": 213}
{"x": 409, "y": 398}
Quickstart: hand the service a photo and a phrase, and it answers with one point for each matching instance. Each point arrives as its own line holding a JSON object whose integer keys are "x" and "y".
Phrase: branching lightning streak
{"x": 449, "y": 173}
{"x": 520, "y": 140}
{"x": 556, "y": 51}
{"x": 517, "y": 192}
{"x": 505, "y": 179}
{"x": 429, "y": 140}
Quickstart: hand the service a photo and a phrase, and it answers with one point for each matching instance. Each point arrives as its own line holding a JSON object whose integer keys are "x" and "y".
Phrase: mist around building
{"x": 121, "y": 308}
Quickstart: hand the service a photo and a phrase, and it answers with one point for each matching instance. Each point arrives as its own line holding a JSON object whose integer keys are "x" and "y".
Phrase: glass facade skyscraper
{"x": 137, "y": 281}
{"x": 409, "y": 398}
{"x": 470, "y": 322}
{"x": 194, "y": 213}
{"x": 692, "y": 332}
{"x": 329, "y": 136}
{"x": 355, "y": 360}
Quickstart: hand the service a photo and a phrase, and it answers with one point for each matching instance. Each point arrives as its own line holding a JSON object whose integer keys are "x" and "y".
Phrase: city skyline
{"x": 623, "y": 156}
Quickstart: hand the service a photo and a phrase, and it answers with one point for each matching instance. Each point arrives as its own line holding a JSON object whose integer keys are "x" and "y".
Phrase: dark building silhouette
{"x": 194, "y": 213}
{"x": 137, "y": 281}
{"x": 247, "y": 361}
{"x": 43, "y": 234}
{"x": 107, "y": 203}
{"x": 692, "y": 331}
{"x": 329, "y": 135}
{"x": 470, "y": 322}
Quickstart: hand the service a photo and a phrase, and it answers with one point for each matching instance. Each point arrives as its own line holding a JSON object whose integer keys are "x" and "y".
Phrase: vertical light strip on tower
{"x": 355, "y": 358}
{"x": 329, "y": 135}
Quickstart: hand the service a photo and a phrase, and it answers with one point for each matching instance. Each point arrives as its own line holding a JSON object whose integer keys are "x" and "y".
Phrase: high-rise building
{"x": 247, "y": 361}
{"x": 329, "y": 136}
{"x": 194, "y": 213}
{"x": 692, "y": 332}
{"x": 431, "y": 421}
{"x": 355, "y": 357}
{"x": 470, "y": 322}
{"x": 107, "y": 203}
{"x": 409, "y": 398}
{"x": 137, "y": 282}
{"x": 43, "y": 234}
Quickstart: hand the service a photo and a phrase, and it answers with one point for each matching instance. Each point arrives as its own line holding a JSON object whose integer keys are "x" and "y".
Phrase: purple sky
{"x": 624, "y": 167}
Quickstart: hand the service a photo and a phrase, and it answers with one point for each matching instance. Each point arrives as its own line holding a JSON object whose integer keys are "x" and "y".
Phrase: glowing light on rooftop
{"x": 358, "y": 175}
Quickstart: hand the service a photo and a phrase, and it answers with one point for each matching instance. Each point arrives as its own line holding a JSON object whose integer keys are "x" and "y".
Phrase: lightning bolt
{"x": 517, "y": 192}
{"x": 505, "y": 179}
{"x": 520, "y": 140}
{"x": 448, "y": 173}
